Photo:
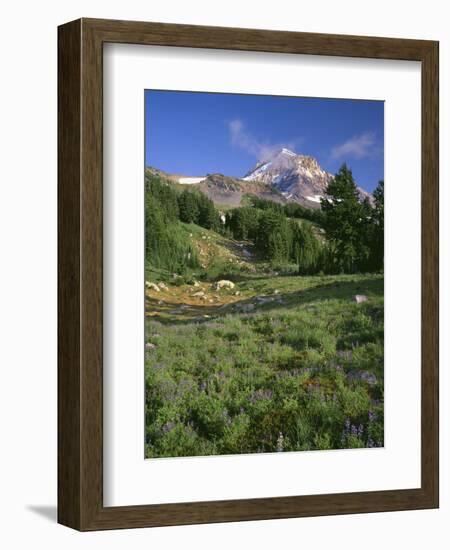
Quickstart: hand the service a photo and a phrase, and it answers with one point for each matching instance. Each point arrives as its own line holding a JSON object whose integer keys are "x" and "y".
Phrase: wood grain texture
{"x": 430, "y": 272}
{"x": 69, "y": 247}
{"x": 80, "y": 241}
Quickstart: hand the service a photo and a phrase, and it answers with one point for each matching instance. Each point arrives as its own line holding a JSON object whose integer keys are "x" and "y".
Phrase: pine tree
{"x": 274, "y": 236}
{"x": 378, "y": 221}
{"x": 345, "y": 222}
{"x": 243, "y": 222}
{"x": 208, "y": 216}
{"x": 188, "y": 205}
{"x": 306, "y": 249}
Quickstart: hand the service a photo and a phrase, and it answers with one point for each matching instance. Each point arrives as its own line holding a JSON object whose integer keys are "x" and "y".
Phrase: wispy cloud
{"x": 356, "y": 147}
{"x": 241, "y": 138}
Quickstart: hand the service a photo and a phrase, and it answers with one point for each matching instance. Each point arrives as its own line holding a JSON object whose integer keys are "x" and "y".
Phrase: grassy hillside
{"x": 277, "y": 363}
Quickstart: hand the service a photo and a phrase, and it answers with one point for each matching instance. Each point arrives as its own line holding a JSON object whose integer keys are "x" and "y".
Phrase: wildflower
{"x": 259, "y": 395}
{"x": 345, "y": 431}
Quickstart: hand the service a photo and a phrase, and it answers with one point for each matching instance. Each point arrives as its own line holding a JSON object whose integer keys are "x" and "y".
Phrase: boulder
{"x": 152, "y": 286}
{"x": 163, "y": 286}
{"x": 224, "y": 284}
{"x": 198, "y": 294}
{"x": 360, "y": 298}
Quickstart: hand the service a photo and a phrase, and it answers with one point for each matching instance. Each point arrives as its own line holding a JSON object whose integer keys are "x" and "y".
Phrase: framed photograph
{"x": 248, "y": 327}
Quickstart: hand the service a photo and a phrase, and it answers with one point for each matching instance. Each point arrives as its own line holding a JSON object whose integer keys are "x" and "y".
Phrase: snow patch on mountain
{"x": 190, "y": 181}
{"x": 315, "y": 198}
{"x": 260, "y": 169}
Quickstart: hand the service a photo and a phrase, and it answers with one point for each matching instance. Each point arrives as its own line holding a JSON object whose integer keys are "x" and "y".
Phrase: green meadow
{"x": 250, "y": 350}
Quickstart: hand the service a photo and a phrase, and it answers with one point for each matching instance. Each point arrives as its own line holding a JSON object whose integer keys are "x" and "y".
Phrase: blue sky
{"x": 193, "y": 133}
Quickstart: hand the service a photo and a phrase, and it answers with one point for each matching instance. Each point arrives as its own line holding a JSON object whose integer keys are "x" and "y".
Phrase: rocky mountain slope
{"x": 231, "y": 191}
{"x": 299, "y": 178}
{"x": 223, "y": 190}
{"x": 283, "y": 177}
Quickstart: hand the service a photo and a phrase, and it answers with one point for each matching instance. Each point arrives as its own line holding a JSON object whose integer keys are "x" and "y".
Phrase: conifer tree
{"x": 345, "y": 222}
{"x": 378, "y": 222}
{"x": 188, "y": 205}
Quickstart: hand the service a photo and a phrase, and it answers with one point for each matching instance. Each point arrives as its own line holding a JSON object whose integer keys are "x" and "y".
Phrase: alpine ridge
{"x": 299, "y": 178}
{"x": 284, "y": 176}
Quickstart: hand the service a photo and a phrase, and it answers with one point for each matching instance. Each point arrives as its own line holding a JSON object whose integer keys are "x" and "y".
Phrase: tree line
{"x": 345, "y": 235}
{"x": 353, "y": 230}
{"x": 291, "y": 209}
{"x": 166, "y": 245}
{"x": 277, "y": 238}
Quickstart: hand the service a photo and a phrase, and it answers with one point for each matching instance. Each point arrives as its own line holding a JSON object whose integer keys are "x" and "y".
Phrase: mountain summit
{"x": 283, "y": 177}
{"x": 299, "y": 178}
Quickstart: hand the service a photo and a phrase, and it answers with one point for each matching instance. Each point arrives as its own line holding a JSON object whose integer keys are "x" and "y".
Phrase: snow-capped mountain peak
{"x": 299, "y": 177}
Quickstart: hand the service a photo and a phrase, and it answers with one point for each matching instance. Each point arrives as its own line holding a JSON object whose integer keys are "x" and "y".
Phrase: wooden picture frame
{"x": 80, "y": 272}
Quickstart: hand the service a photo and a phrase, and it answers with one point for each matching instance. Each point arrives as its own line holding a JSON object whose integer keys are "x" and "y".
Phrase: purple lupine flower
{"x": 259, "y": 395}
{"x": 365, "y": 376}
{"x": 372, "y": 416}
{"x": 345, "y": 431}
{"x": 158, "y": 366}
{"x": 368, "y": 377}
